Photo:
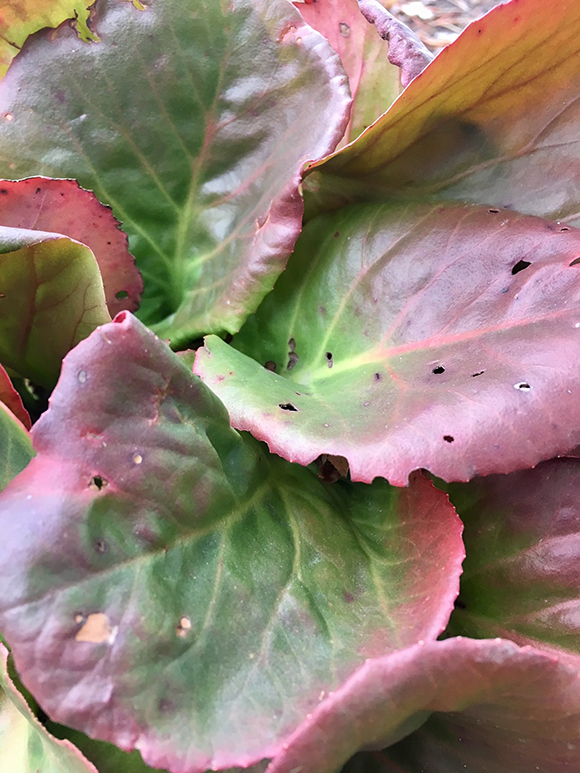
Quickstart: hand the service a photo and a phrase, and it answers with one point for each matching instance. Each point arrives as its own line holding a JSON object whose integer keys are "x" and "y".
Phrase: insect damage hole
{"x": 183, "y": 627}
{"x": 520, "y": 266}
{"x": 523, "y": 386}
{"x": 287, "y": 407}
{"x": 448, "y": 438}
{"x": 438, "y": 370}
{"x": 479, "y": 373}
{"x": 329, "y": 359}
{"x": 97, "y": 483}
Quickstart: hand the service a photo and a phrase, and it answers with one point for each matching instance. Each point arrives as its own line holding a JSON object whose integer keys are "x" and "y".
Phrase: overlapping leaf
{"x": 374, "y": 81}
{"x": 63, "y": 207}
{"x": 186, "y": 594}
{"x": 25, "y": 745}
{"x": 51, "y": 297}
{"x": 15, "y": 446}
{"x": 12, "y": 400}
{"x": 492, "y": 120}
{"x": 193, "y": 122}
{"x": 410, "y": 336}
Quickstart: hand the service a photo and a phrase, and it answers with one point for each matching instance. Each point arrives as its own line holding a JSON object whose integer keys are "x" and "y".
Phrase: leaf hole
{"x": 137, "y": 458}
{"x": 270, "y": 365}
{"x": 479, "y": 373}
{"x": 287, "y": 407}
{"x": 575, "y": 262}
{"x": 438, "y": 370}
{"x": 329, "y": 360}
{"x": 183, "y": 627}
{"x": 564, "y": 228}
{"x": 377, "y": 377}
{"x": 520, "y": 266}
{"x": 100, "y": 545}
{"x": 523, "y": 386}
{"x": 493, "y": 211}
{"x": 97, "y": 483}
{"x": 121, "y": 294}
{"x": 448, "y": 438}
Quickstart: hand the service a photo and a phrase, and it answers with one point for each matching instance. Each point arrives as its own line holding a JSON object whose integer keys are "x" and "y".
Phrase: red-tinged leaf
{"x": 20, "y": 18}
{"x": 51, "y": 297}
{"x": 373, "y": 80}
{"x": 193, "y": 121}
{"x": 436, "y": 337}
{"x": 518, "y": 707}
{"x": 12, "y": 400}
{"x": 522, "y": 577}
{"x": 15, "y": 446}
{"x": 25, "y": 745}
{"x": 492, "y": 120}
{"x": 147, "y": 530}
{"x": 63, "y": 207}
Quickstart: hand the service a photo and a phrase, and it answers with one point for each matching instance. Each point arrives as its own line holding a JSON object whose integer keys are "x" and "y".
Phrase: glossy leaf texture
{"x": 497, "y": 708}
{"x": 492, "y": 120}
{"x": 147, "y": 531}
{"x": 51, "y": 297}
{"x": 193, "y": 122}
{"x": 63, "y": 207}
{"x": 21, "y": 18}
{"x": 25, "y": 745}
{"x": 408, "y": 337}
{"x": 374, "y": 82}
{"x": 12, "y": 400}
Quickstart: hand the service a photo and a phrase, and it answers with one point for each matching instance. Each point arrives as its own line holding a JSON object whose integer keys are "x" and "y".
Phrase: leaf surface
{"x": 186, "y": 594}
{"x": 193, "y": 122}
{"x": 12, "y": 400}
{"x": 25, "y": 745}
{"x": 51, "y": 297}
{"x": 410, "y": 337}
{"x": 15, "y": 446}
{"x": 492, "y": 120}
{"x": 518, "y": 707}
{"x": 63, "y": 207}
{"x": 373, "y": 80}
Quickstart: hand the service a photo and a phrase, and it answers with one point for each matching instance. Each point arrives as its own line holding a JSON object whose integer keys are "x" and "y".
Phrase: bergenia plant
{"x": 293, "y": 311}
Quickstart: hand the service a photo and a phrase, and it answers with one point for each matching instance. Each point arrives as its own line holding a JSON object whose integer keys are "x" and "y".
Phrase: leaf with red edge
{"x": 25, "y": 745}
{"x": 15, "y": 446}
{"x": 193, "y": 121}
{"x": 63, "y": 207}
{"x": 492, "y": 120}
{"x": 408, "y": 337}
{"x": 51, "y": 297}
{"x": 12, "y": 400}
{"x": 374, "y": 81}
{"x": 147, "y": 530}
{"x": 519, "y": 709}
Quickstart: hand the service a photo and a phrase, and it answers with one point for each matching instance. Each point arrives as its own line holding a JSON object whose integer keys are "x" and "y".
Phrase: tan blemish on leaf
{"x": 184, "y": 627}
{"x": 97, "y": 629}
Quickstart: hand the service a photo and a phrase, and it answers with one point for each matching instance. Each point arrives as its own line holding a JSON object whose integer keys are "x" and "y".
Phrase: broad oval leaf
{"x": 492, "y": 120}
{"x": 12, "y": 400}
{"x": 63, "y": 207}
{"x": 518, "y": 707}
{"x": 51, "y": 297}
{"x": 167, "y": 585}
{"x": 374, "y": 81}
{"x": 25, "y": 745}
{"x": 193, "y": 121}
{"x": 15, "y": 446}
{"x": 410, "y": 337}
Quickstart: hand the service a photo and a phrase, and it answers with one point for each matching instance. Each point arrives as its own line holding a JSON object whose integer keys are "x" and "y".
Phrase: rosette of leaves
{"x": 230, "y": 553}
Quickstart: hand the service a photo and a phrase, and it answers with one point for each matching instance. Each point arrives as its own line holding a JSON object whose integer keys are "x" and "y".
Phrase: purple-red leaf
{"x": 167, "y": 585}
{"x": 407, "y": 337}
{"x": 63, "y": 207}
{"x": 12, "y": 400}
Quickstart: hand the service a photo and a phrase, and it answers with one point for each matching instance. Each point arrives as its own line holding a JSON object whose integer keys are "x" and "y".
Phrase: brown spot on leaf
{"x": 96, "y": 629}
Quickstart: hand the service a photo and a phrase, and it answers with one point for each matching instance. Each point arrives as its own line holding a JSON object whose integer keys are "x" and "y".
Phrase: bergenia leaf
{"x": 25, "y": 745}
{"x": 20, "y": 18}
{"x": 51, "y": 297}
{"x": 508, "y": 709}
{"x": 522, "y": 577}
{"x": 15, "y": 446}
{"x": 193, "y": 121}
{"x": 167, "y": 585}
{"x": 409, "y": 337}
{"x": 374, "y": 82}
{"x": 12, "y": 400}
{"x": 63, "y": 207}
{"x": 492, "y": 120}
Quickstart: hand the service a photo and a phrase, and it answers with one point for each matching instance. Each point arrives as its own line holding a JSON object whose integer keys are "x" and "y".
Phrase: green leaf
{"x": 167, "y": 585}
{"x": 25, "y": 745}
{"x": 492, "y": 120}
{"x": 193, "y": 121}
{"x": 409, "y": 337}
{"x": 51, "y": 297}
{"x": 12, "y": 400}
{"x": 15, "y": 446}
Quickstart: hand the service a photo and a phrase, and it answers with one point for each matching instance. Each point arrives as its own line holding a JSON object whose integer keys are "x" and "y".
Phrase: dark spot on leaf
{"x": 38, "y": 190}
{"x": 438, "y": 370}
{"x": 109, "y": 243}
{"x": 348, "y": 597}
{"x": 287, "y": 407}
{"x": 121, "y": 294}
{"x": 270, "y": 365}
{"x": 448, "y": 438}
{"x": 523, "y": 386}
{"x": 564, "y": 228}
{"x": 292, "y": 345}
{"x": 97, "y": 483}
{"x": 166, "y": 706}
{"x": 292, "y": 360}
{"x": 575, "y": 262}
{"x": 328, "y": 356}
{"x": 336, "y": 234}
{"x": 377, "y": 377}
{"x": 520, "y": 266}
{"x": 100, "y": 545}
{"x": 4, "y": 191}
{"x": 505, "y": 290}
{"x": 479, "y": 373}
{"x": 493, "y": 211}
